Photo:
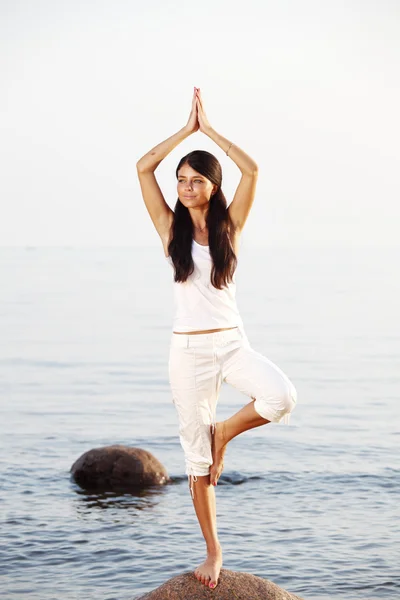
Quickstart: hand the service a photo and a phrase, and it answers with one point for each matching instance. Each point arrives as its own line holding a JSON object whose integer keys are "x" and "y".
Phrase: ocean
{"x": 313, "y": 506}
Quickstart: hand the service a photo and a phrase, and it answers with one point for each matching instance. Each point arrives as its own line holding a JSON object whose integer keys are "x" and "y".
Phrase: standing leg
{"x": 205, "y": 507}
{"x": 195, "y": 387}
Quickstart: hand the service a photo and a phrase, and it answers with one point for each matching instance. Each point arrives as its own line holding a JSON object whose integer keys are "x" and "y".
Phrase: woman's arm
{"x": 150, "y": 161}
{"x": 159, "y": 211}
{"x": 245, "y": 163}
{"x": 242, "y": 202}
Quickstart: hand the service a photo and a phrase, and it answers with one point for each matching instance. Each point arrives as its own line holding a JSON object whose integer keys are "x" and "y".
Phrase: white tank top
{"x": 198, "y": 304}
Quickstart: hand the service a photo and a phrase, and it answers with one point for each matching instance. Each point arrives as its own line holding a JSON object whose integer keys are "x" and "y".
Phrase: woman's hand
{"x": 193, "y": 123}
{"x": 204, "y": 123}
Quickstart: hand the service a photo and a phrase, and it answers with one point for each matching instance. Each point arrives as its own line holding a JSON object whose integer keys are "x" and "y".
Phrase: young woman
{"x": 208, "y": 343}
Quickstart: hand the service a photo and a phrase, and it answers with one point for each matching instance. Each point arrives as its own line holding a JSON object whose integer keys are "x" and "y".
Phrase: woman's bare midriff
{"x": 203, "y": 331}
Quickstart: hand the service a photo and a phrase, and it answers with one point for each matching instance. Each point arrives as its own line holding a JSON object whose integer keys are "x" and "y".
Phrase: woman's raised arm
{"x": 158, "y": 209}
{"x": 241, "y": 204}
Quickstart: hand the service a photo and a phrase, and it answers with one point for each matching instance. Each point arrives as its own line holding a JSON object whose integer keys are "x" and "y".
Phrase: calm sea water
{"x": 314, "y": 507}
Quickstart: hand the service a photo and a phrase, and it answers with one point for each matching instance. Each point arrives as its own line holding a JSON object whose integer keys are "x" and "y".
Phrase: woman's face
{"x": 193, "y": 189}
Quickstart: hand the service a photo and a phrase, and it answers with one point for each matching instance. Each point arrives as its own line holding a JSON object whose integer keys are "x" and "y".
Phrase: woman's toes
{"x": 212, "y": 584}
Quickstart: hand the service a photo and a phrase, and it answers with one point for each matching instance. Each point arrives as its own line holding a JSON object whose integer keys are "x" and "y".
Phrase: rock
{"x": 119, "y": 468}
{"x": 232, "y": 585}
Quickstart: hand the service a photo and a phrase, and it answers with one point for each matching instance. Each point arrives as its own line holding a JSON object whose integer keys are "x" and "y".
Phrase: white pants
{"x": 198, "y": 364}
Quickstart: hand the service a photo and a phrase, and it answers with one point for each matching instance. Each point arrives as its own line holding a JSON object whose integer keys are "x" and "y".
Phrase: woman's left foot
{"x": 208, "y": 572}
{"x": 218, "y": 449}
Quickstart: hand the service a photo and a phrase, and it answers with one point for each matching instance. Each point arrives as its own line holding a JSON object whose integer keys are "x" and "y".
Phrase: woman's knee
{"x": 275, "y": 404}
{"x": 196, "y": 446}
{"x": 292, "y": 395}
{"x": 287, "y": 397}
{"x": 197, "y": 465}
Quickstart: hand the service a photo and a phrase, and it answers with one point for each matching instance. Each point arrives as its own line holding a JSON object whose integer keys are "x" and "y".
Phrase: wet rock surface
{"x": 232, "y": 585}
{"x": 119, "y": 468}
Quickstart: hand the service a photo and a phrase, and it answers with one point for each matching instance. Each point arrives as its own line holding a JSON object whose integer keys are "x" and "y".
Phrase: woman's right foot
{"x": 218, "y": 449}
{"x": 208, "y": 572}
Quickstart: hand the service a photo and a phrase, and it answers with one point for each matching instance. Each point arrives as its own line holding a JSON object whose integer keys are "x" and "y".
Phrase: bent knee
{"x": 277, "y": 403}
{"x": 288, "y": 398}
{"x": 291, "y": 396}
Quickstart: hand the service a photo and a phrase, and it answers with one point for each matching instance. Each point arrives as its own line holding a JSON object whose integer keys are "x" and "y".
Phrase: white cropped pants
{"x": 198, "y": 364}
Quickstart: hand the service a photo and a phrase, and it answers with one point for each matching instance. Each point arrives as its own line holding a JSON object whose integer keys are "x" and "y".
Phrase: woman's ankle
{"x": 214, "y": 548}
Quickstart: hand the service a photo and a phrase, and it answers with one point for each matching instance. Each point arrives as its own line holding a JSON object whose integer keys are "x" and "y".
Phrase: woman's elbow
{"x": 143, "y": 166}
{"x": 252, "y": 171}
{"x": 140, "y": 166}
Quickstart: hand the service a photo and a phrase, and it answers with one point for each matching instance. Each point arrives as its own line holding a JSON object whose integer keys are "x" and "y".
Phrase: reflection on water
{"x": 139, "y": 499}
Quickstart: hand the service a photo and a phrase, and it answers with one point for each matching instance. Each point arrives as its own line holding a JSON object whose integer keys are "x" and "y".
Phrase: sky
{"x": 309, "y": 89}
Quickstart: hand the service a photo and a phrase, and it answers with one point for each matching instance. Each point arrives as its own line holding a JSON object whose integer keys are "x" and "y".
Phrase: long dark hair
{"x": 220, "y": 226}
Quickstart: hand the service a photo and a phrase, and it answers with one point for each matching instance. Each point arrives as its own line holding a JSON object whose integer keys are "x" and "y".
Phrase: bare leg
{"x": 246, "y": 418}
{"x": 205, "y": 507}
{"x": 204, "y": 493}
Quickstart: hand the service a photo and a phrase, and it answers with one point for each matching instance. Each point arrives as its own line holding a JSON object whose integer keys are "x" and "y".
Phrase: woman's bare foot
{"x": 208, "y": 572}
{"x": 218, "y": 449}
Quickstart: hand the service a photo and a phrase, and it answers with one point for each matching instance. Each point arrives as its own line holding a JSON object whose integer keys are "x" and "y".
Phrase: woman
{"x": 208, "y": 343}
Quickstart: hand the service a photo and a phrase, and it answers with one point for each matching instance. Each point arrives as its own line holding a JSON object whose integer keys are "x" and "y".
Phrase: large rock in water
{"x": 119, "y": 468}
{"x": 232, "y": 585}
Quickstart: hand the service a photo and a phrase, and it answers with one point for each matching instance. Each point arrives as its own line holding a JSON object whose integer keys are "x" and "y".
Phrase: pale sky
{"x": 310, "y": 89}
